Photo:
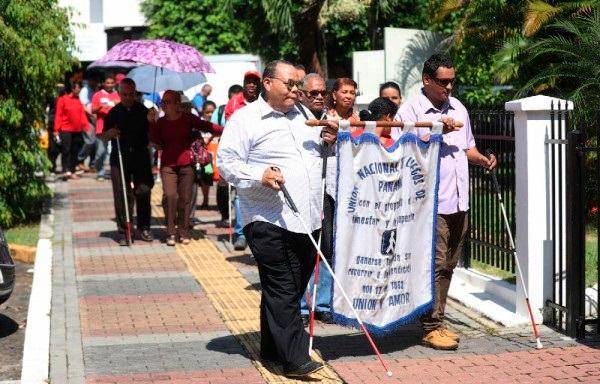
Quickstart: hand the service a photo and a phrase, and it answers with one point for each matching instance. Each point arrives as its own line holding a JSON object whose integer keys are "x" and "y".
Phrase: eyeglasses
{"x": 444, "y": 82}
{"x": 290, "y": 84}
{"x": 316, "y": 92}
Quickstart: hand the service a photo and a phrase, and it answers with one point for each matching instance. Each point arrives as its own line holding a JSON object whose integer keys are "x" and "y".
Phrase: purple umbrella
{"x": 160, "y": 53}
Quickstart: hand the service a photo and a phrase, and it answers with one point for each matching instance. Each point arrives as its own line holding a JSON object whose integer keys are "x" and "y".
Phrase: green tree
{"x": 203, "y": 24}
{"x": 35, "y": 41}
{"x": 566, "y": 62}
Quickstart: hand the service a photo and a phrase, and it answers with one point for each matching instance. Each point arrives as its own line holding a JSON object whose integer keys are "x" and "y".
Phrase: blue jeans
{"x": 324, "y": 287}
{"x": 237, "y": 230}
{"x": 101, "y": 154}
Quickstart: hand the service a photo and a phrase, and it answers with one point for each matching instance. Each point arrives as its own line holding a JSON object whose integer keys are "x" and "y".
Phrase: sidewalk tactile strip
{"x": 238, "y": 306}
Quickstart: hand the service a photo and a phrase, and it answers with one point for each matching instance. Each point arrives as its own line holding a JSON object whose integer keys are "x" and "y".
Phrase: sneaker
{"x": 436, "y": 339}
{"x": 171, "y": 241}
{"x": 304, "y": 370}
{"x": 146, "y": 235}
{"x": 324, "y": 317}
{"x": 72, "y": 176}
{"x": 185, "y": 240}
{"x": 448, "y": 333}
{"x": 240, "y": 243}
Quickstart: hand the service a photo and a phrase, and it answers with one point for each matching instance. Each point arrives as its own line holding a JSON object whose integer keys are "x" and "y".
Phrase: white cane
{"x": 291, "y": 204}
{"x": 229, "y": 213}
{"x": 126, "y": 203}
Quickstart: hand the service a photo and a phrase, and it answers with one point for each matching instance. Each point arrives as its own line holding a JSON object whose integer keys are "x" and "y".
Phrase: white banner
{"x": 385, "y": 228}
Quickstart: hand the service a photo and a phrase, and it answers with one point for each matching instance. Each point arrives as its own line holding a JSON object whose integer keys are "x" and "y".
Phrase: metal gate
{"x": 575, "y": 192}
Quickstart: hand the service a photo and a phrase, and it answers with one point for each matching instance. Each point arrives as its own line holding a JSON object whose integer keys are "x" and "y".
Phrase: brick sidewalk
{"x": 137, "y": 315}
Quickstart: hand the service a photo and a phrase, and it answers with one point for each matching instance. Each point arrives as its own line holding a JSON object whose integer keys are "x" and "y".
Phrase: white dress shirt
{"x": 257, "y": 137}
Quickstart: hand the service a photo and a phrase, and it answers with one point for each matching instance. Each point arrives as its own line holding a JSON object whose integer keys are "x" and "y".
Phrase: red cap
{"x": 254, "y": 74}
{"x": 119, "y": 77}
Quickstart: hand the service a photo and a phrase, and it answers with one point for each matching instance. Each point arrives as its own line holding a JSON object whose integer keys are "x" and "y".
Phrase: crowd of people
{"x": 263, "y": 143}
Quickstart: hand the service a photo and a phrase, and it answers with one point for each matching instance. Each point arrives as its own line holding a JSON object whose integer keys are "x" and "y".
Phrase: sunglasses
{"x": 444, "y": 82}
{"x": 290, "y": 84}
{"x": 316, "y": 92}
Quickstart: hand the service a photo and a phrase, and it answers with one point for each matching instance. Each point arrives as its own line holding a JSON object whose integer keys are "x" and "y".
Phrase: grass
{"x": 591, "y": 256}
{"x": 493, "y": 271}
{"x": 591, "y": 262}
{"x": 23, "y": 235}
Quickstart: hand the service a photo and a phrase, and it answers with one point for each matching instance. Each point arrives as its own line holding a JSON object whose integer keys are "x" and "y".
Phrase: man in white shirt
{"x": 264, "y": 145}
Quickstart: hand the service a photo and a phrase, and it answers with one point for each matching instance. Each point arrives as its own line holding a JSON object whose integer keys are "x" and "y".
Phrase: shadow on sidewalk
{"x": 7, "y": 326}
{"x": 333, "y": 347}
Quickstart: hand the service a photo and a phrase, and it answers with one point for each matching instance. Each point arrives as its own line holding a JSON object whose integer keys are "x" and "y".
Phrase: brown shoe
{"x": 437, "y": 340}
{"x": 448, "y": 333}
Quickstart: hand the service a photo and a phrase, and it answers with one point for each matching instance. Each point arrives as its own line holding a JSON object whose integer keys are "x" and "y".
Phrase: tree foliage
{"x": 204, "y": 24}
{"x": 35, "y": 41}
{"x": 567, "y": 64}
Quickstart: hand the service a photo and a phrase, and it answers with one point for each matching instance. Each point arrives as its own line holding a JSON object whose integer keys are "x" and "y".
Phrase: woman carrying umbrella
{"x": 174, "y": 133}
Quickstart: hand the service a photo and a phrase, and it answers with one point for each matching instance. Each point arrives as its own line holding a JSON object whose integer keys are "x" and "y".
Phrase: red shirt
{"x": 236, "y": 102}
{"x": 70, "y": 115}
{"x": 386, "y": 140}
{"x": 175, "y": 136}
{"x": 107, "y": 100}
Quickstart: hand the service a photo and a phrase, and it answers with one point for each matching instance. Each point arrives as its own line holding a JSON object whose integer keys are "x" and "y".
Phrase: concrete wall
{"x": 90, "y": 18}
{"x": 368, "y": 70}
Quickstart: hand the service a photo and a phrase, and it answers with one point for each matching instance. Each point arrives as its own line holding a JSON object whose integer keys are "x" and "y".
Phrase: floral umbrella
{"x": 159, "y": 53}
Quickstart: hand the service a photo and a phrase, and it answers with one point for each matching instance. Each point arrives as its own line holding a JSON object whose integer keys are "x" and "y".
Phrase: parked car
{"x": 7, "y": 270}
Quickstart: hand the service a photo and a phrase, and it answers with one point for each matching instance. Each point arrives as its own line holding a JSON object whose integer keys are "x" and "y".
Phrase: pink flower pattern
{"x": 160, "y": 53}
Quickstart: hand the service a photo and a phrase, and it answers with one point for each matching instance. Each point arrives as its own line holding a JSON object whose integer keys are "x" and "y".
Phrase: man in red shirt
{"x": 102, "y": 103}
{"x": 69, "y": 122}
{"x": 250, "y": 93}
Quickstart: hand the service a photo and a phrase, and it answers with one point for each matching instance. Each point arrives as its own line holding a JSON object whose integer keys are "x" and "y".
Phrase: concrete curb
{"x": 36, "y": 347}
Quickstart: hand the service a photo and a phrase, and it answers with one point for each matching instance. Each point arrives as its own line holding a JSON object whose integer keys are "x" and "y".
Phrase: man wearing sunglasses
{"x": 312, "y": 97}
{"x": 264, "y": 145}
{"x": 435, "y": 103}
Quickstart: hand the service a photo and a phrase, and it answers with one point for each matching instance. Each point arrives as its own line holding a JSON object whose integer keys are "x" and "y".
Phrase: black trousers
{"x": 223, "y": 201}
{"x": 71, "y": 145}
{"x": 139, "y": 172}
{"x": 285, "y": 262}
{"x": 327, "y": 228}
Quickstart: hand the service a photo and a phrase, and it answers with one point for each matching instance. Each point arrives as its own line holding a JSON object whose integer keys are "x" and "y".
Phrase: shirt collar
{"x": 267, "y": 111}
{"x": 427, "y": 106}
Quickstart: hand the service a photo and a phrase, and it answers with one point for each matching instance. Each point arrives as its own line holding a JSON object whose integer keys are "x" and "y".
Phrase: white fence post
{"x": 534, "y": 205}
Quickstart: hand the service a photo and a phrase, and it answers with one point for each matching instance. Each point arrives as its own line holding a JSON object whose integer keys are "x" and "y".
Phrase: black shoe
{"x": 240, "y": 243}
{"x": 223, "y": 224}
{"x": 324, "y": 317}
{"x": 303, "y": 370}
{"x": 305, "y": 320}
{"x": 146, "y": 235}
{"x": 270, "y": 359}
{"x": 122, "y": 240}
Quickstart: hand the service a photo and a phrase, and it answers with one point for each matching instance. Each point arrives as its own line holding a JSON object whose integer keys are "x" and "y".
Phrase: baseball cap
{"x": 119, "y": 77}
{"x": 254, "y": 74}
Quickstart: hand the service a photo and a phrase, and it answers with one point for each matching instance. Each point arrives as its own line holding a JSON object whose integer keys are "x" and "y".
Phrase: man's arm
{"x": 473, "y": 154}
{"x": 58, "y": 115}
{"x": 232, "y": 157}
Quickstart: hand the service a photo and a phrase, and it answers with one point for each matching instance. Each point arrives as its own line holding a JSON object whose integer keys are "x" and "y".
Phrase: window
{"x": 95, "y": 11}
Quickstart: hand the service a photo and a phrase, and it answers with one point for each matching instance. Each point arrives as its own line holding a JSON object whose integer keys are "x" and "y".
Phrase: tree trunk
{"x": 311, "y": 40}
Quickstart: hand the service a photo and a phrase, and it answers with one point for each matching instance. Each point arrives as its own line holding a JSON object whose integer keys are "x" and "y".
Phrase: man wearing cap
{"x": 250, "y": 93}
{"x": 247, "y": 96}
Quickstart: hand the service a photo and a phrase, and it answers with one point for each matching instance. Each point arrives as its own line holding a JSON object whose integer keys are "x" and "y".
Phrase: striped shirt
{"x": 257, "y": 137}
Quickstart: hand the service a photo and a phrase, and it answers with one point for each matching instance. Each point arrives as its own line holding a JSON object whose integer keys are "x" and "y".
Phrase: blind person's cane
{"x": 294, "y": 209}
{"x": 128, "y": 235}
{"x": 312, "y": 303}
{"x": 488, "y": 153}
